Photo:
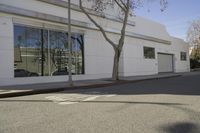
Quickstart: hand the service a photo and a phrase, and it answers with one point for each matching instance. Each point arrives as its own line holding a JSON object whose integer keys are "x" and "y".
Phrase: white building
{"x": 33, "y": 45}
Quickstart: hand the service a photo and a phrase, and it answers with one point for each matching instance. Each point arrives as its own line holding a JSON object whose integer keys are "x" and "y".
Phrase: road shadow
{"x": 180, "y": 127}
{"x": 186, "y": 85}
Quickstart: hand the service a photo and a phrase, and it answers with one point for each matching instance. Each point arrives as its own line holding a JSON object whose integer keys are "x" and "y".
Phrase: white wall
{"x": 134, "y": 61}
{"x": 181, "y": 46}
{"x": 136, "y": 64}
{"x": 143, "y": 26}
{"x": 150, "y": 28}
{"x": 98, "y": 54}
{"x": 6, "y": 48}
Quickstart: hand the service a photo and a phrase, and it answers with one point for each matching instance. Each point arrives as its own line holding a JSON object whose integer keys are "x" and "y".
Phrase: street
{"x": 154, "y": 106}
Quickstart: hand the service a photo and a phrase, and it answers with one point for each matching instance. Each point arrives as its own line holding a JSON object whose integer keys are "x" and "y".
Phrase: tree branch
{"x": 123, "y": 4}
{"x": 123, "y": 31}
{"x": 98, "y": 26}
{"x": 123, "y": 8}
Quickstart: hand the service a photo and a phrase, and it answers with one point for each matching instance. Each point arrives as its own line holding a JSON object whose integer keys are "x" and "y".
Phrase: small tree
{"x": 193, "y": 37}
{"x": 126, "y": 8}
{"x": 193, "y": 33}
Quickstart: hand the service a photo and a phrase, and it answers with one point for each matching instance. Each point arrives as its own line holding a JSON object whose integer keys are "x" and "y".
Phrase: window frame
{"x": 145, "y": 56}
{"x": 183, "y": 56}
{"x": 56, "y": 30}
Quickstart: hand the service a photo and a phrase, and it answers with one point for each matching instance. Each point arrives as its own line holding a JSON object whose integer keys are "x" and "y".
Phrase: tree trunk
{"x": 115, "y": 74}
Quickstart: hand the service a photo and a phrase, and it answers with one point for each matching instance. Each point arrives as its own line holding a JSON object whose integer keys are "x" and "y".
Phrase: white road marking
{"x": 67, "y": 103}
{"x": 68, "y": 99}
{"x": 55, "y": 98}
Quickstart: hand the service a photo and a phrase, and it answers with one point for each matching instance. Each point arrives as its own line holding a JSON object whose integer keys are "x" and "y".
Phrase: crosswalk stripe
{"x": 67, "y": 99}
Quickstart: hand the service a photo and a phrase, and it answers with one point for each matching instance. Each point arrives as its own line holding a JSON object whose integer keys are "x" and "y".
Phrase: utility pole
{"x": 69, "y": 43}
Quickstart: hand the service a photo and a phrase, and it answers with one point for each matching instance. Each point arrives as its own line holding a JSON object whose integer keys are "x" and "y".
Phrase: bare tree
{"x": 193, "y": 37}
{"x": 126, "y": 8}
{"x": 193, "y": 33}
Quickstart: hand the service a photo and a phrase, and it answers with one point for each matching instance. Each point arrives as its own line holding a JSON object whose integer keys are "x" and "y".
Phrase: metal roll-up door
{"x": 165, "y": 63}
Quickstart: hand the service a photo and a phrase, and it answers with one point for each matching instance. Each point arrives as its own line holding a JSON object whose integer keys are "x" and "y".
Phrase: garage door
{"x": 165, "y": 63}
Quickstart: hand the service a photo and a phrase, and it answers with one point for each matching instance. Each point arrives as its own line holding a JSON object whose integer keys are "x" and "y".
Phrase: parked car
{"x": 25, "y": 73}
{"x": 61, "y": 72}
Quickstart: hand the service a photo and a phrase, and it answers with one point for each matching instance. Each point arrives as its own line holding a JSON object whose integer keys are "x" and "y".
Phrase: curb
{"x": 52, "y": 90}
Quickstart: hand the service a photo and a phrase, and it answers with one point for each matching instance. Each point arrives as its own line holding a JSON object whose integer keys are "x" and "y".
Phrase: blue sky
{"x": 176, "y": 17}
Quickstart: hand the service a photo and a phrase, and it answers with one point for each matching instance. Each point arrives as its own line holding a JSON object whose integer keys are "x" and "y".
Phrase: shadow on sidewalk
{"x": 189, "y": 85}
{"x": 184, "y": 85}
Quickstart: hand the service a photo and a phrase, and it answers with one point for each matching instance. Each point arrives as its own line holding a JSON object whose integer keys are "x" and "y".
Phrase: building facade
{"x": 34, "y": 48}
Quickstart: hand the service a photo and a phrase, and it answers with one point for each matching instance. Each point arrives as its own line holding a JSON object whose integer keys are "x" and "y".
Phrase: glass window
{"x": 58, "y": 53}
{"x": 149, "y": 53}
{"x": 29, "y": 51}
{"x": 39, "y": 52}
{"x": 183, "y": 56}
{"x": 77, "y": 54}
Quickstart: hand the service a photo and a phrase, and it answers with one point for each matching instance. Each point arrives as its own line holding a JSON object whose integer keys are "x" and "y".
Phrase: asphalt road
{"x": 157, "y": 106}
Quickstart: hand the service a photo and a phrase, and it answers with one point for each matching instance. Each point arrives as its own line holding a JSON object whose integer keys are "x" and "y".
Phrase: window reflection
{"x": 28, "y": 53}
{"x": 77, "y": 53}
{"x": 58, "y": 53}
{"x": 39, "y": 52}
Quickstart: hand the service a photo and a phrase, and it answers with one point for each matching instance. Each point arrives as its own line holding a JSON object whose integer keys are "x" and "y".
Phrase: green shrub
{"x": 194, "y": 63}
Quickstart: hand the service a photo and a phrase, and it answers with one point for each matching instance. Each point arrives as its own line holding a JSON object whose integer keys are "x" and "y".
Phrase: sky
{"x": 177, "y": 17}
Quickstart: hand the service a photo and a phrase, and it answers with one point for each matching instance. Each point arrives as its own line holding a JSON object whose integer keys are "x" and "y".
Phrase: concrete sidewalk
{"x": 31, "y": 89}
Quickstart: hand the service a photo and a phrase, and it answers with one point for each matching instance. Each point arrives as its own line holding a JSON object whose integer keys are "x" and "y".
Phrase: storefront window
{"x": 77, "y": 54}
{"x": 58, "y": 53}
{"x": 39, "y": 52}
